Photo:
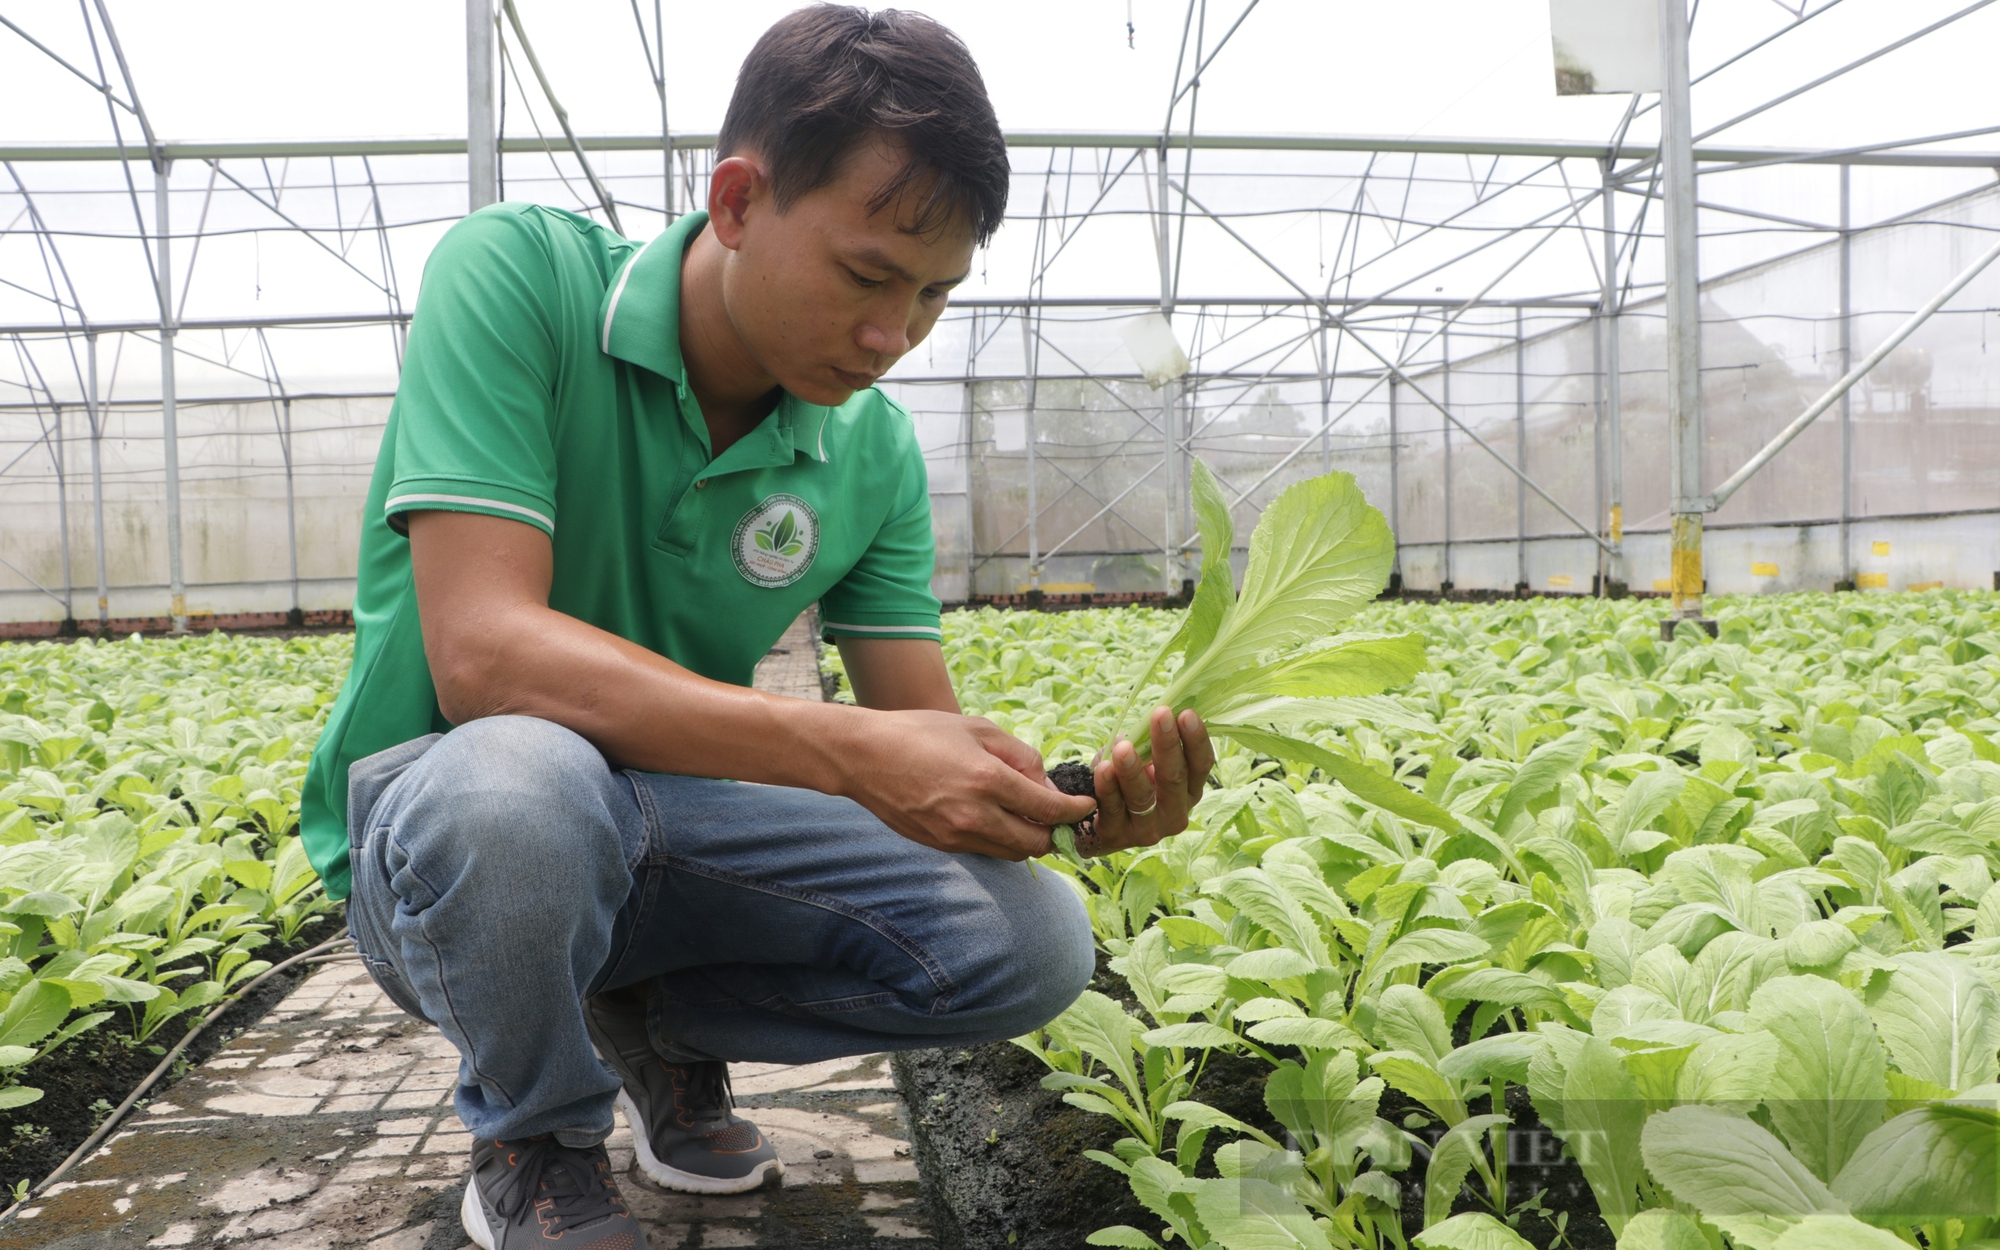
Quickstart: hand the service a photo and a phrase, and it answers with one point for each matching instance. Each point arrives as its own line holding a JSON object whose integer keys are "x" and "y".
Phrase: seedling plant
{"x": 1723, "y": 908}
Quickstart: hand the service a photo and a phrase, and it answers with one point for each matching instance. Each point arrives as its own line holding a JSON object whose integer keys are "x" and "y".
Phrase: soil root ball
{"x": 1074, "y": 777}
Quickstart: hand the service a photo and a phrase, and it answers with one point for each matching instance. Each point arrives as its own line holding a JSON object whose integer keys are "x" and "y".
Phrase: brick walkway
{"x": 329, "y": 1125}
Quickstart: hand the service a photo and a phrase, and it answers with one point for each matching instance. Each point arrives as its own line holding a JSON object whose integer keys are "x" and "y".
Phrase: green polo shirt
{"x": 543, "y": 383}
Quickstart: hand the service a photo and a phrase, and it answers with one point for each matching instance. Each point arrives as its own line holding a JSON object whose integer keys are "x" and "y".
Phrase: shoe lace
{"x": 567, "y": 1178}
{"x": 707, "y": 1096}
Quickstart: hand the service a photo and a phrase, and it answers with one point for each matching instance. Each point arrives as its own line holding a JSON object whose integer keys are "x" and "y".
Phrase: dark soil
{"x": 1004, "y": 1168}
{"x": 90, "y": 1074}
{"x": 1538, "y": 1172}
{"x": 1002, "y": 1158}
{"x": 1074, "y": 777}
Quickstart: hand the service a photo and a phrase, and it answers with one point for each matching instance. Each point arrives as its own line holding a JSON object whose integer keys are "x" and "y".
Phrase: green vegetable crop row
{"x": 149, "y": 799}
{"x": 1724, "y": 908}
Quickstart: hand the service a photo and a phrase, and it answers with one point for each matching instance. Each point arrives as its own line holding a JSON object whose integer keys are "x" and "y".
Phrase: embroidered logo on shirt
{"x": 776, "y": 541}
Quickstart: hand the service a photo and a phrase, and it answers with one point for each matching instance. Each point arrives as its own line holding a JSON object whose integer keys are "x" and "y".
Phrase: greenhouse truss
{"x": 1478, "y": 330}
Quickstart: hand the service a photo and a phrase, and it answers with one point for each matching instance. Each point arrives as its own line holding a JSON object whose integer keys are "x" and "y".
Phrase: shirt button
{"x": 703, "y": 482}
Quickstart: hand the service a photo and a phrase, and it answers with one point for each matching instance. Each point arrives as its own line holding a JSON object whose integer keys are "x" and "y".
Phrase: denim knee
{"x": 1048, "y": 959}
{"x": 515, "y": 797}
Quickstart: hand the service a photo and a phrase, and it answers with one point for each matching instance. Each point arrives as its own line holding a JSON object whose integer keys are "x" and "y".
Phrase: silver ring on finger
{"x": 1147, "y": 810}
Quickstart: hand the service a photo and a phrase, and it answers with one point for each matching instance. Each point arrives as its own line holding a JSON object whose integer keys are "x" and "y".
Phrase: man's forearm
{"x": 639, "y": 708}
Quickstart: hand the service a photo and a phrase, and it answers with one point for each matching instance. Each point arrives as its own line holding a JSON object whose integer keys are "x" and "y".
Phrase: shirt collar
{"x": 641, "y": 317}
{"x": 641, "y": 324}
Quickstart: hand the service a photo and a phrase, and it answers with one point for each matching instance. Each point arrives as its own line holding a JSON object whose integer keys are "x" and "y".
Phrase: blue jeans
{"x": 504, "y": 871}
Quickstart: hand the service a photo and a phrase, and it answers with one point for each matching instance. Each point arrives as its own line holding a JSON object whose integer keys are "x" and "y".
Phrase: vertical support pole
{"x": 97, "y": 481}
{"x": 666, "y": 135}
{"x": 1395, "y": 492}
{"x": 1615, "y": 576}
{"x": 1170, "y": 393}
{"x": 1444, "y": 428}
{"x": 1520, "y": 461}
{"x": 482, "y": 139}
{"x": 176, "y": 586}
{"x": 296, "y": 617}
{"x": 57, "y": 453}
{"x": 1846, "y": 363}
{"x": 1683, "y": 314}
{"x": 1325, "y": 398}
{"x": 1028, "y": 355}
{"x": 1599, "y": 587}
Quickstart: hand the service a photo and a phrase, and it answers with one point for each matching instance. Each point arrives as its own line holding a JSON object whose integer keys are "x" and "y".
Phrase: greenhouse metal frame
{"x": 1509, "y": 428}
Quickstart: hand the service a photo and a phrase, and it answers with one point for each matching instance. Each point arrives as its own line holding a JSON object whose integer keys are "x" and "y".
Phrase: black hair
{"x": 827, "y": 79}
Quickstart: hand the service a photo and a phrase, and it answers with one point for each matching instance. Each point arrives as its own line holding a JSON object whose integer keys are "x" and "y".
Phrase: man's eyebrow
{"x": 880, "y": 259}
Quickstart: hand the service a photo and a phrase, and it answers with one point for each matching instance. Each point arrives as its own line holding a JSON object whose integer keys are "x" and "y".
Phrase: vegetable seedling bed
{"x": 84, "y": 1078}
{"x": 1004, "y": 1167}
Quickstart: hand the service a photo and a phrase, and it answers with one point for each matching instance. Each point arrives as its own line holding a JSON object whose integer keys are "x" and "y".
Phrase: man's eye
{"x": 865, "y": 282}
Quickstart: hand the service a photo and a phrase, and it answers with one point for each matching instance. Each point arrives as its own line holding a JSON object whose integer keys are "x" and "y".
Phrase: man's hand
{"x": 959, "y": 783}
{"x": 1138, "y": 804}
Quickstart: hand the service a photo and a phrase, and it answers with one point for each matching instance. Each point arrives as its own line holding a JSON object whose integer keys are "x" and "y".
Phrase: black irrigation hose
{"x": 165, "y": 1065}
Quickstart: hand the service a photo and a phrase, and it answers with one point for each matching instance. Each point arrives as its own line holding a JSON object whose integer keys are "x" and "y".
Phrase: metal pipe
{"x": 291, "y": 508}
{"x": 1615, "y": 575}
{"x": 1846, "y": 363}
{"x": 1444, "y": 432}
{"x": 1028, "y": 429}
{"x": 1395, "y": 486}
{"x": 604, "y": 199}
{"x": 1683, "y": 345}
{"x": 666, "y": 134}
{"x": 56, "y": 451}
{"x": 176, "y": 584}
{"x": 1840, "y": 388}
{"x": 97, "y": 480}
{"x": 482, "y": 148}
{"x": 1149, "y": 140}
{"x": 1520, "y": 458}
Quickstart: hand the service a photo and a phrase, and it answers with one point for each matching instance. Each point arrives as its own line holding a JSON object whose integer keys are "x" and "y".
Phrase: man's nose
{"x": 885, "y": 338}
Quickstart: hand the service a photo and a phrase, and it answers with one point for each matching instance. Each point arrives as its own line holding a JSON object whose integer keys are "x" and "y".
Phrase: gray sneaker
{"x": 684, "y": 1132}
{"x": 537, "y": 1192}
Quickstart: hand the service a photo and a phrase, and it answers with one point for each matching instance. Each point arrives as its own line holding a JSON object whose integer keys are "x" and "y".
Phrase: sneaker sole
{"x": 672, "y": 1177}
{"x": 472, "y": 1217}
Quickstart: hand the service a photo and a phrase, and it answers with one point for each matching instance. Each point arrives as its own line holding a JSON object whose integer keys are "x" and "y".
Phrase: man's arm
{"x": 496, "y": 648}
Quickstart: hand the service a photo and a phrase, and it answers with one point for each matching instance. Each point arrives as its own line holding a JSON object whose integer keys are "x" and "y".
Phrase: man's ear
{"x": 736, "y": 187}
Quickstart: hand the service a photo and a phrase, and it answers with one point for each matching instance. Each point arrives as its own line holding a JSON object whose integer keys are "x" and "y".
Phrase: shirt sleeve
{"x": 887, "y": 594}
{"x": 475, "y": 412}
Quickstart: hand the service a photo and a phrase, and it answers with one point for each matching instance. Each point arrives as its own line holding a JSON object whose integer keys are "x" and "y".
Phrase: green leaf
{"x": 37, "y": 1008}
{"x": 1827, "y": 1091}
{"x": 1474, "y": 1230}
{"x": 1662, "y": 1229}
{"x": 1541, "y": 775}
{"x": 1602, "y": 1113}
{"x": 1214, "y": 591}
{"x": 1360, "y": 780}
{"x": 1451, "y": 1159}
{"x": 1340, "y": 668}
{"x": 1723, "y": 1164}
{"x": 1925, "y": 1166}
{"x": 1836, "y": 1232}
{"x": 1940, "y": 1019}
{"x": 1406, "y": 1018}
{"x": 1429, "y": 946}
{"x": 1319, "y": 552}
{"x": 1253, "y": 1214}
{"x": 1413, "y": 1075}
{"x": 1123, "y": 1235}
{"x": 1201, "y": 1115}
{"x": 1273, "y": 963}
{"x": 14, "y": 1096}
{"x": 1307, "y": 1034}
{"x": 1194, "y": 1035}
{"x": 1732, "y": 1068}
